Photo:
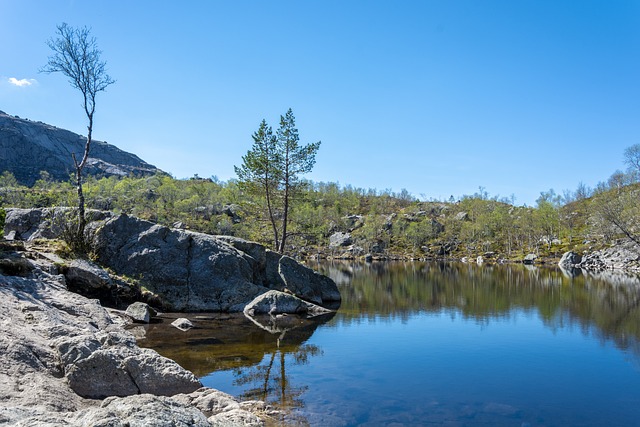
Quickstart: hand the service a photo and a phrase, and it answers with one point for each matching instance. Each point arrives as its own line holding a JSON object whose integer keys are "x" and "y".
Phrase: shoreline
{"x": 68, "y": 360}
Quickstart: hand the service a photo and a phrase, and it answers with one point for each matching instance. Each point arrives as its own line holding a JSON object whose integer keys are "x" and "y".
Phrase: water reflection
{"x": 606, "y": 304}
{"x": 262, "y": 358}
{"x": 255, "y": 350}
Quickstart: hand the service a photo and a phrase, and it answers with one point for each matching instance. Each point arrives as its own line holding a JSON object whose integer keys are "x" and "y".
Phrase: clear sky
{"x": 438, "y": 97}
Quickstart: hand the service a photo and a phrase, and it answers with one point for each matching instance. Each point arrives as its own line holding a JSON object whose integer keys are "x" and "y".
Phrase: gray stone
{"x": 339, "y": 239}
{"x": 462, "y": 216}
{"x": 188, "y": 271}
{"x": 530, "y": 259}
{"x": 144, "y": 410}
{"x": 43, "y": 223}
{"x": 140, "y": 312}
{"x": 182, "y": 324}
{"x": 158, "y": 375}
{"x": 117, "y": 367}
{"x": 276, "y": 302}
{"x": 306, "y": 283}
{"x": 54, "y": 342}
{"x": 233, "y": 211}
{"x": 100, "y": 375}
{"x": 84, "y": 274}
{"x": 182, "y": 270}
{"x": 569, "y": 260}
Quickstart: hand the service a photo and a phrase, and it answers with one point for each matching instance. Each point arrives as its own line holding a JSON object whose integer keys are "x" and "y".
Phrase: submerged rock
{"x": 276, "y": 302}
{"x": 182, "y": 324}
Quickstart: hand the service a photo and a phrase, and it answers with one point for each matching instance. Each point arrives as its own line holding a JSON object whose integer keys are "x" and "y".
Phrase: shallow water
{"x": 435, "y": 344}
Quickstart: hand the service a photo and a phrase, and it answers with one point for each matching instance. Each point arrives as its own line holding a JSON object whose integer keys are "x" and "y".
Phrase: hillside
{"x": 28, "y": 147}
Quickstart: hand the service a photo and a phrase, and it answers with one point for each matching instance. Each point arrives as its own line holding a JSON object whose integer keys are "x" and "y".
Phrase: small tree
{"x": 273, "y": 168}
{"x": 295, "y": 160}
{"x": 260, "y": 171}
{"x": 76, "y": 55}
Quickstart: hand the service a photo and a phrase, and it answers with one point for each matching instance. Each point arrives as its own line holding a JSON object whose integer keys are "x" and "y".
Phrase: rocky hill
{"x": 28, "y": 147}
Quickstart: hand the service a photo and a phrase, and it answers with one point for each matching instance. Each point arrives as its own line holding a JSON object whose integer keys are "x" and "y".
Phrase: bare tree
{"x": 76, "y": 55}
{"x": 632, "y": 160}
{"x": 260, "y": 172}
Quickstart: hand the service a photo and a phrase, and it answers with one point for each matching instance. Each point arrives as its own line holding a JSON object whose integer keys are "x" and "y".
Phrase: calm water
{"x": 435, "y": 344}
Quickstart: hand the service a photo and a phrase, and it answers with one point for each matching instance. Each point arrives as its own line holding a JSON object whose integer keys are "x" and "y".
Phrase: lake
{"x": 434, "y": 344}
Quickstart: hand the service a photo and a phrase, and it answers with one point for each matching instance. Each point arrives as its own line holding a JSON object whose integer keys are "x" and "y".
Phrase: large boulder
{"x": 43, "y": 223}
{"x": 339, "y": 239}
{"x": 570, "y": 260}
{"x": 192, "y": 271}
{"x": 306, "y": 283}
{"x": 30, "y": 224}
{"x": 182, "y": 270}
{"x": 85, "y": 277}
{"x": 276, "y": 302}
{"x": 140, "y": 312}
{"x": 110, "y": 364}
{"x": 188, "y": 271}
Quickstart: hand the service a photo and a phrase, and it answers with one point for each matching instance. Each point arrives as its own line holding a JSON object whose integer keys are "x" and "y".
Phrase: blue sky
{"x": 438, "y": 97}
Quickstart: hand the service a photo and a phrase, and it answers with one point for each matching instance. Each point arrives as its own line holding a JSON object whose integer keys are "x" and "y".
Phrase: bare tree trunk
{"x": 82, "y": 221}
{"x": 285, "y": 217}
{"x": 272, "y": 220}
{"x": 81, "y": 215}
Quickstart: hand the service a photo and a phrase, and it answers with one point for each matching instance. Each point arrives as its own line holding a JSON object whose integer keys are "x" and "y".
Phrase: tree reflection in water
{"x": 257, "y": 350}
{"x": 259, "y": 355}
{"x": 605, "y": 304}
{"x": 265, "y": 381}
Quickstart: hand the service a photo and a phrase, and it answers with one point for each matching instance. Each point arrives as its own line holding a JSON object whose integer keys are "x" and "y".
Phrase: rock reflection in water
{"x": 456, "y": 328}
{"x": 257, "y": 350}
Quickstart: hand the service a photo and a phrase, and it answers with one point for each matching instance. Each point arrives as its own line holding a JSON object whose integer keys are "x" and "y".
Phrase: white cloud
{"x": 21, "y": 82}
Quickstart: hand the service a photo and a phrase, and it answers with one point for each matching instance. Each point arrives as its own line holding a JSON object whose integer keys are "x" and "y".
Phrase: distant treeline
{"x": 383, "y": 223}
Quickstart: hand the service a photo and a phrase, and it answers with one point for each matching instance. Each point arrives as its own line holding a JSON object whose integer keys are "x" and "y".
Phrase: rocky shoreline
{"x": 621, "y": 256}
{"x": 66, "y": 360}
